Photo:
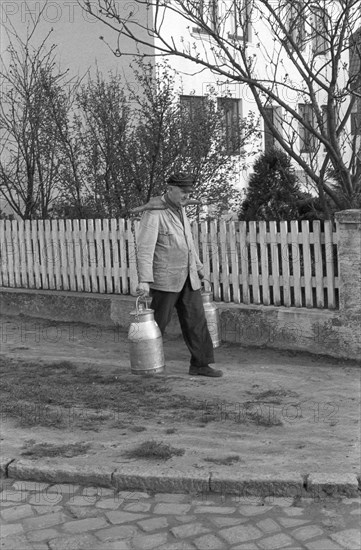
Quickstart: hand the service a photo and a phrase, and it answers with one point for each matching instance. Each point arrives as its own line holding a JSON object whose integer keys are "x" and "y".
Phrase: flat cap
{"x": 181, "y": 179}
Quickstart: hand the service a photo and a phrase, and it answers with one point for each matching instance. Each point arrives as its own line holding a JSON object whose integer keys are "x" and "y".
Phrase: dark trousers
{"x": 190, "y": 310}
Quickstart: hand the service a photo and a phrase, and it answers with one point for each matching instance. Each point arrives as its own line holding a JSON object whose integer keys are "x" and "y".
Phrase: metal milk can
{"x": 145, "y": 340}
{"x": 212, "y": 317}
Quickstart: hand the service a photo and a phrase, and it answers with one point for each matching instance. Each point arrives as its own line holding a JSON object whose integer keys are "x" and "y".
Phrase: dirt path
{"x": 272, "y": 411}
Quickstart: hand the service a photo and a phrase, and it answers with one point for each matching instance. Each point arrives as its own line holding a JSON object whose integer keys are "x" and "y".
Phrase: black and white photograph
{"x": 180, "y": 274}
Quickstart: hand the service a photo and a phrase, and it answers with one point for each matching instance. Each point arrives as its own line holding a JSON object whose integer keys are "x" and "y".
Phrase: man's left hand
{"x": 201, "y": 274}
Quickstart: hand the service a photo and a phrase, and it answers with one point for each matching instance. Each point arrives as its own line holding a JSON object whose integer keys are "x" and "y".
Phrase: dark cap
{"x": 182, "y": 180}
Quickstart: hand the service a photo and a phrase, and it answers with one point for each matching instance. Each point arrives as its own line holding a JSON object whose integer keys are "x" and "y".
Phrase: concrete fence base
{"x": 299, "y": 329}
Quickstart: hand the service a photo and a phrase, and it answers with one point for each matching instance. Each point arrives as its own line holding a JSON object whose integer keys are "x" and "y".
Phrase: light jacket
{"x": 166, "y": 251}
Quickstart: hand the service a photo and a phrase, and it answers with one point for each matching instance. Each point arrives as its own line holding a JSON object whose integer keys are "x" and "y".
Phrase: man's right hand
{"x": 143, "y": 289}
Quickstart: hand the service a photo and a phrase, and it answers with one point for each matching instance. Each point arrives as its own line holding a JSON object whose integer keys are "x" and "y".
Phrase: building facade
{"x": 85, "y": 43}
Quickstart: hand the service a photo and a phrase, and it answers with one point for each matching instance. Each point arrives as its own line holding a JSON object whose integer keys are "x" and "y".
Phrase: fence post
{"x": 349, "y": 258}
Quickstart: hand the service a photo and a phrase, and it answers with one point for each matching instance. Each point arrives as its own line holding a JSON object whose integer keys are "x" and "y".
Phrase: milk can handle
{"x": 136, "y": 304}
{"x": 208, "y": 281}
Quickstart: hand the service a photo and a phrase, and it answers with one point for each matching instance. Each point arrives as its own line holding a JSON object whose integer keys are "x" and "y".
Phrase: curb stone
{"x": 5, "y": 461}
{"x": 164, "y": 482}
{"x": 292, "y": 485}
{"x": 321, "y": 484}
{"x": 43, "y": 471}
{"x": 265, "y": 485}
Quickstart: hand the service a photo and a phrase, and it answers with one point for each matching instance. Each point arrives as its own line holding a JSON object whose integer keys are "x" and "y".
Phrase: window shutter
{"x": 231, "y": 108}
{"x": 307, "y": 140}
{"x": 268, "y": 137}
{"x": 320, "y": 31}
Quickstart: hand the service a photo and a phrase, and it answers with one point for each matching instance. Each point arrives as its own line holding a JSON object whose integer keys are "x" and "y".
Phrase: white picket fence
{"x": 269, "y": 263}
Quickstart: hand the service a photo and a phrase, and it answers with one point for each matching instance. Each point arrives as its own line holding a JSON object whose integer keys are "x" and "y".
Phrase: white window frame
{"x": 240, "y": 21}
{"x": 209, "y": 13}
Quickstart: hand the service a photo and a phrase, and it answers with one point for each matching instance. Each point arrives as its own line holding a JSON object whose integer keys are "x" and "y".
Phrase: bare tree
{"x": 95, "y": 150}
{"x": 74, "y": 149}
{"x": 307, "y": 57}
{"x": 31, "y": 158}
{"x": 129, "y": 137}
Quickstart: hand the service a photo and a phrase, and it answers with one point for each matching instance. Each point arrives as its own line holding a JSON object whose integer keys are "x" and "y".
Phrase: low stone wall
{"x": 316, "y": 331}
{"x": 299, "y": 329}
{"x": 78, "y": 307}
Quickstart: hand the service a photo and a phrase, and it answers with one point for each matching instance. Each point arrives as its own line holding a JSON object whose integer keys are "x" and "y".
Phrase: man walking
{"x": 170, "y": 271}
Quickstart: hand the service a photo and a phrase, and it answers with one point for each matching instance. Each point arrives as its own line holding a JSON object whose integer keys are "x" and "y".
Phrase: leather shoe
{"x": 205, "y": 371}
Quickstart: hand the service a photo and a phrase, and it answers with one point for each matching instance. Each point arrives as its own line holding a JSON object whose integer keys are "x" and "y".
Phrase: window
{"x": 192, "y": 103}
{"x": 231, "y": 108}
{"x": 274, "y": 115}
{"x": 208, "y": 13}
{"x": 324, "y": 110}
{"x": 241, "y": 20}
{"x": 320, "y": 31}
{"x": 355, "y": 80}
{"x": 307, "y": 139}
{"x": 195, "y": 135}
{"x": 296, "y": 22}
{"x": 231, "y": 111}
{"x": 356, "y": 119}
{"x": 232, "y": 15}
{"x": 355, "y": 61}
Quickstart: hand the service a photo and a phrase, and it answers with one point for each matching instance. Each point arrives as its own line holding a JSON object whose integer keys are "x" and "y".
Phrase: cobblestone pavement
{"x": 64, "y": 517}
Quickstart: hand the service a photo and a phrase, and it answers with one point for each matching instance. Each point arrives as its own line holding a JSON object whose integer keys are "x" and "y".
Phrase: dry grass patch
{"x": 154, "y": 450}
{"x": 41, "y": 450}
{"x": 62, "y": 394}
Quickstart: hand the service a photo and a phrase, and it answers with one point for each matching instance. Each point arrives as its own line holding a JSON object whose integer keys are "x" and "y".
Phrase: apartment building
{"x": 305, "y": 59}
